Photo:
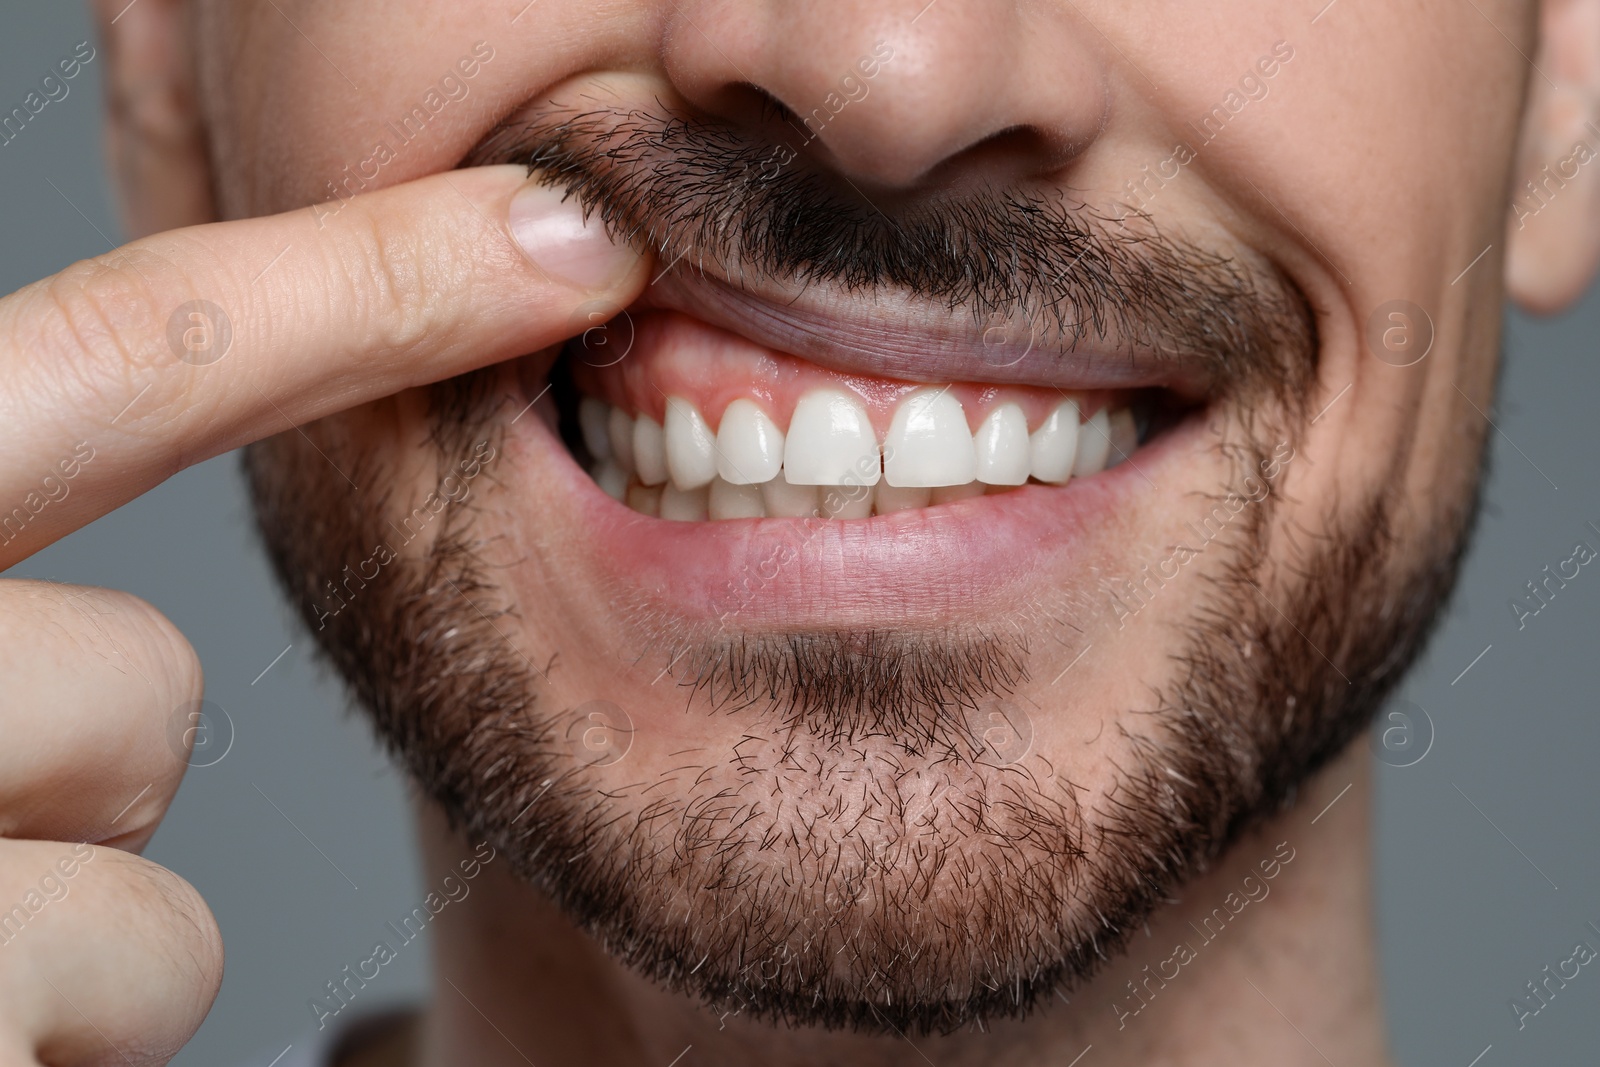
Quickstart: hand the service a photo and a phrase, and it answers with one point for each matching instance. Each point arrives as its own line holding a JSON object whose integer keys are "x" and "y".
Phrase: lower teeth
{"x": 776, "y": 499}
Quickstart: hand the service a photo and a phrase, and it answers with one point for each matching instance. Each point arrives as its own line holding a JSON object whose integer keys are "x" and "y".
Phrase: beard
{"x": 857, "y": 857}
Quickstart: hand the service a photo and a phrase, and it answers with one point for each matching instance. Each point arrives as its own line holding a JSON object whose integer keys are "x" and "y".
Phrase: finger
{"x": 93, "y": 713}
{"x": 104, "y": 957}
{"x": 123, "y": 369}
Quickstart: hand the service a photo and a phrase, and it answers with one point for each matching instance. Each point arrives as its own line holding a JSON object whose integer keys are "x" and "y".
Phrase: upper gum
{"x": 675, "y": 355}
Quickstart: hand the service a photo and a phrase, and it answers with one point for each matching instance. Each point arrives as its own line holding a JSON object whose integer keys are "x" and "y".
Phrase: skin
{"x": 222, "y": 111}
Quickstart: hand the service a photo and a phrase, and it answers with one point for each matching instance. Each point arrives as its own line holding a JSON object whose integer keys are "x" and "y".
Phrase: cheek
{"x": 284, "y": 121}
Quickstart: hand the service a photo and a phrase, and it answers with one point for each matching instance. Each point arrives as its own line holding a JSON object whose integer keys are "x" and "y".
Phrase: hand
{"x": 117, "y": 373}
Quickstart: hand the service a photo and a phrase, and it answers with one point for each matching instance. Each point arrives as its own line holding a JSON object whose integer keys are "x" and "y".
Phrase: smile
{"x": 714, "y": 477}
{"x": 697, "y": 423}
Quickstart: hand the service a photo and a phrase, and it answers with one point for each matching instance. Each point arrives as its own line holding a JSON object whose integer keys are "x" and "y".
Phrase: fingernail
{"x": 553, "y": 234}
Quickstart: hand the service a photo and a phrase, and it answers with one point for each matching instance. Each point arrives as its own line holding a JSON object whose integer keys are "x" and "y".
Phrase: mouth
{"x": 713, "y": 476}
{"x": 683, "y": 421}
{"x": 823, "y": 415}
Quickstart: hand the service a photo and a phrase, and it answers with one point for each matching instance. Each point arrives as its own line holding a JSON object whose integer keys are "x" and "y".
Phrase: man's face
{"x": 926, "y": 765}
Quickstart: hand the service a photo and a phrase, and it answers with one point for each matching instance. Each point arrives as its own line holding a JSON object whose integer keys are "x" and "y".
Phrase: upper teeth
{"x": 929, "y": 443}
{"x": 1054, "y": 445}
{"x": 749, "y": 445}
{"x": 830, "y": 441}
{"x": 649, "y": 451}
{"x": 1002, "y": 451}
{"x": 829, "y": 461}
{"x": 691, "y": 447}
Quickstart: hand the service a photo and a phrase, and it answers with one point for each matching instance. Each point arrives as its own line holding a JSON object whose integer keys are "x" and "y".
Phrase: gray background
{"x": 1473, "y": 903}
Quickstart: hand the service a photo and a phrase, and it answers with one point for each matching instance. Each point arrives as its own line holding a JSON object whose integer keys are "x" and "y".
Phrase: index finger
{"x": 123, "y": 369}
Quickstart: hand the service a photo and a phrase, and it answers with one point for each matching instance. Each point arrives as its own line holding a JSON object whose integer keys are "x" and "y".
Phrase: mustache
{"x": 1028, "y": 269}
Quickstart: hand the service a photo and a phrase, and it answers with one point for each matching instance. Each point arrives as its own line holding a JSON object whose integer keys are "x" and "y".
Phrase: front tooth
{"x": 830, "y": 441}
{"x": 691, "y": 446}
{"x": 645, "y": 499}
{"x": 649, "y": 450}
{"x": 1004, "y": 455}
{"x": 1054, "y": 445}
{"x": 786, "y": 500}
{"x": 593, "y": 419}
{"x": 946, "y": 493}
{"x": 731, "y": 501}
{"x": 890, "y": 499}
{"x": 619, "y": 428}
{"x": 1124, "y": 435}
{"x": 684, "y": 505}
{"x": 846, "y": 501}
{"x": 928, "y": 442}
{"x": 1094, "y": 444}
{"x": 612, "y": 478}
{"x": 749, "y": 445}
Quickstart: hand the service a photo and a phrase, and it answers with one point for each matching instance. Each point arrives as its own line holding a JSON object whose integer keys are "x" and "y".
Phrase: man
{"x": 875, "y": 528}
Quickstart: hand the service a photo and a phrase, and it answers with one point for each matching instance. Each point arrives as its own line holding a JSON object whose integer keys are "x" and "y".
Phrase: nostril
{"x": 1015, "y": 152}
{"x": 1018, "y": 151}
{"x": 769, "y": 108}
{"x": 754, "y": 109}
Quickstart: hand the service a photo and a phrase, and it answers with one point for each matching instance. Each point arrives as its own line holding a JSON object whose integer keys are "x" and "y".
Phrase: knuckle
{"x": 404, "y": 285}
{"x": 104, "y": 312}
{"x": 103, "y": 332}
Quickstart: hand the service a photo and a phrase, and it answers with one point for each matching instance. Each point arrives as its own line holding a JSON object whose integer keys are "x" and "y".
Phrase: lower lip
{"x": 933, "y": 566}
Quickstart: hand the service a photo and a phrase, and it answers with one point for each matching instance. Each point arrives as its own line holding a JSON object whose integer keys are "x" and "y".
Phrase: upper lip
{"x": 1074, "y": 304}
{"x": 900, "y": 337}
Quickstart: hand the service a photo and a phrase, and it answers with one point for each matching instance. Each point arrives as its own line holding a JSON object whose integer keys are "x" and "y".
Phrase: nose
{"x": 896, "y": 93}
